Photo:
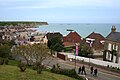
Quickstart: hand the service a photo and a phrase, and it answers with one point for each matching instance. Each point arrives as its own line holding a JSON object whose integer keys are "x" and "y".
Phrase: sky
{"x": 61, "y": 11}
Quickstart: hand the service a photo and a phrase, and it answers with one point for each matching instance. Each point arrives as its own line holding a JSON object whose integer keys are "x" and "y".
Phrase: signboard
{"x": 76, "y": 49}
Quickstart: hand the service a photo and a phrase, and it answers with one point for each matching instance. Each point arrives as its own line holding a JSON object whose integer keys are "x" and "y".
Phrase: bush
{"x": 38, "y": 66}
{"x": 118, "y": 68}
{"x": 68, "y": 72}
{"x": 53, "y": 69}
{"x": 113, "y": 67}
{"x": 6, "y": 61}
{"x": 1, "y": 61}
{"x": 34, "y": 67}
{"x": 39, "y": 69}
{"x": 22, "y": 66}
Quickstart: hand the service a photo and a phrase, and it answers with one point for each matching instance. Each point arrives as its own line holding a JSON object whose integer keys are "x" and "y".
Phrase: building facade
{"x": 96, "y": 42}
{"x": 112, "y": 47}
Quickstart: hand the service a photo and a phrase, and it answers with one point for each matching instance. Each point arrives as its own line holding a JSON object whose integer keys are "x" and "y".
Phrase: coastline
{"x": 82, "y": 28}
{"x": 25, "y": 24}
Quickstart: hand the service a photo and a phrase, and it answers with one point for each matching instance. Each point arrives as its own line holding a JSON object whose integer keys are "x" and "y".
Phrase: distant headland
{"x": 25, "y": 24}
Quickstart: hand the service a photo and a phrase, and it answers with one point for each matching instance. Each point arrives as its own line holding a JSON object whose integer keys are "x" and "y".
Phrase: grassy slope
{"x": 8, "y": 72}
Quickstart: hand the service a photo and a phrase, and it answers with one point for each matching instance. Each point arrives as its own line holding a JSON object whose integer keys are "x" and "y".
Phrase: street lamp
{"x": 90, "y": 41}
{"x": 75, "y": 53}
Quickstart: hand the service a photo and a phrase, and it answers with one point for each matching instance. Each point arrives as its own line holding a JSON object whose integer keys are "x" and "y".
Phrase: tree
{"x": 55, "y": 44}
{"x": 8, "y": 42}
{"x": 39, "y": 53}
{"x": 4, "y": 50}
{"x": 4, "y": 53}
{"x": 24, "y": 51}
{"x": 85, "y": 50}
{"x": 36, "y": 52}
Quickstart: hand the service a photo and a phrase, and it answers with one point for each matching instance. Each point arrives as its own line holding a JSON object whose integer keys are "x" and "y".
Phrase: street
{"x": 102, "y": 74}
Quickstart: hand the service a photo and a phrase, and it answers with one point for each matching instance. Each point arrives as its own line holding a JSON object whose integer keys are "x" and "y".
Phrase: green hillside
{"x": 8, "y": 72}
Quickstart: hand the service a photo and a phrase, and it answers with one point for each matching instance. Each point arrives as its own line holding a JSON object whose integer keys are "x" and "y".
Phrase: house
{"x": 37, "y": 37}
{"x": 1, "y": 35}
{"x": 112, "y": 46}
{"x": 96, "y": 41}
{"x": 71, "y": 39}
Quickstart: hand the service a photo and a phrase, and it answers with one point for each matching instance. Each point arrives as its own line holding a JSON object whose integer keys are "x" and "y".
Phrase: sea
{"x": 83, "y": 29}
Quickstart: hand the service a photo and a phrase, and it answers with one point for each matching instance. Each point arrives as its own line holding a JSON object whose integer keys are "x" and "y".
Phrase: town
{"x": 70, "y": 51}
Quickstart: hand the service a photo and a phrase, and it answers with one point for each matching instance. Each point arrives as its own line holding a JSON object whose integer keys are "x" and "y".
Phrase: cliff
{"x": 21, "y": 23}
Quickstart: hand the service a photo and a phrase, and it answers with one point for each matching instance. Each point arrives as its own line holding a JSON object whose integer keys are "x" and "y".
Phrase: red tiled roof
{"x": 73, "y": 37}
{"x": 94, "y": 35}
{"x": 64, "y": 38}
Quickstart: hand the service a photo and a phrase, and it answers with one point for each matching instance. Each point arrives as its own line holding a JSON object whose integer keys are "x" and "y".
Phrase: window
{"x": 109, "y": 46}
{"x": 113, "y": 46}
{"x": 116, "y": 47}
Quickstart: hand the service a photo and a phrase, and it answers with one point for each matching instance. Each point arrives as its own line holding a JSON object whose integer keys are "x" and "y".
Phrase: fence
{"x": 94, "y": 61}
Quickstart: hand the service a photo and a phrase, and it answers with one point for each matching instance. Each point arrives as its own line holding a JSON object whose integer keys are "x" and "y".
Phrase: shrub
{"x": 38, "y": 66}
{"x": 118, "y": 68}
{"x": 53, "y": 69}
{"x": 1, "y": 61}
{"x": 39, "y": 69}
{"x": 67, "y": 72}
{"x": 113, "y": 67}
{"x": 34, "y": 67}
{"x": 22, "y": 66}
{"x": 6, "y": 61}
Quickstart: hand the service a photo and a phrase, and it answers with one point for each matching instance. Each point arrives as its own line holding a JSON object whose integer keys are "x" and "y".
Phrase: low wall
{"x": 61, "y": 56}
{"x": 94, "y": 61}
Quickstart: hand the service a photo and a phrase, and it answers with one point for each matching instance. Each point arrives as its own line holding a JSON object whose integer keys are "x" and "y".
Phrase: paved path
{"x": 102, "y": 74}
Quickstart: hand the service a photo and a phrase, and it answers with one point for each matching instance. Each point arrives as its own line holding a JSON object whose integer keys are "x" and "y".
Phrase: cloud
{"x": 28, "y": 4}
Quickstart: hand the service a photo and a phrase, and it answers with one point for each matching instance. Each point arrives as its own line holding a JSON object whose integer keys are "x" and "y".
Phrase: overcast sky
{"x": 61, "y": 11}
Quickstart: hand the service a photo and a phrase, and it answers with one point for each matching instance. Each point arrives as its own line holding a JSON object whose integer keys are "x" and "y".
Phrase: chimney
{"x": 113, "y": 29}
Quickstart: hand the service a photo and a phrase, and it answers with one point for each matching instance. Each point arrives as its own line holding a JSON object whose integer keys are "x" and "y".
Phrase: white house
{"x": 112, "y": 46}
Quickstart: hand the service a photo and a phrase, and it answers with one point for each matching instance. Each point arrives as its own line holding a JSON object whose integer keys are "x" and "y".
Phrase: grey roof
{"x": 52, "y": 35}
{"x": 114, "y": 36}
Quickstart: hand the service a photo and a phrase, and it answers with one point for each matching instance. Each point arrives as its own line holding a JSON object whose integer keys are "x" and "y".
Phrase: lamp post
{"x": 75, "y": 59}
{"x": 75, "y": 53}
{"x": 90, "y": 41}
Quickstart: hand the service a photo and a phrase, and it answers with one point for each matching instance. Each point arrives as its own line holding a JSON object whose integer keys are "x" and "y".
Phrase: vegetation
{"x": 85, "y": 50}
{"x": 8, "y": 72}
{"x": 6, "y": 23}
{"x": 4, "y": 50}
{"x": 68, "y": 49}
{"x": 8, "y": 42}
{"x": 36, "y": 52}
{"x": 67, "y": 72}
{"x": 55, "y": 44}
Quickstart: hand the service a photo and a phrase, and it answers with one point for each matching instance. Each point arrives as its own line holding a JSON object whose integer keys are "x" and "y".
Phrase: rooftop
{"x": 114, "y": 36}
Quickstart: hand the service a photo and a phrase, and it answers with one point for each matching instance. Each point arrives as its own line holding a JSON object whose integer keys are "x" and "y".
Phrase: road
{"x": 102, "y": 74}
